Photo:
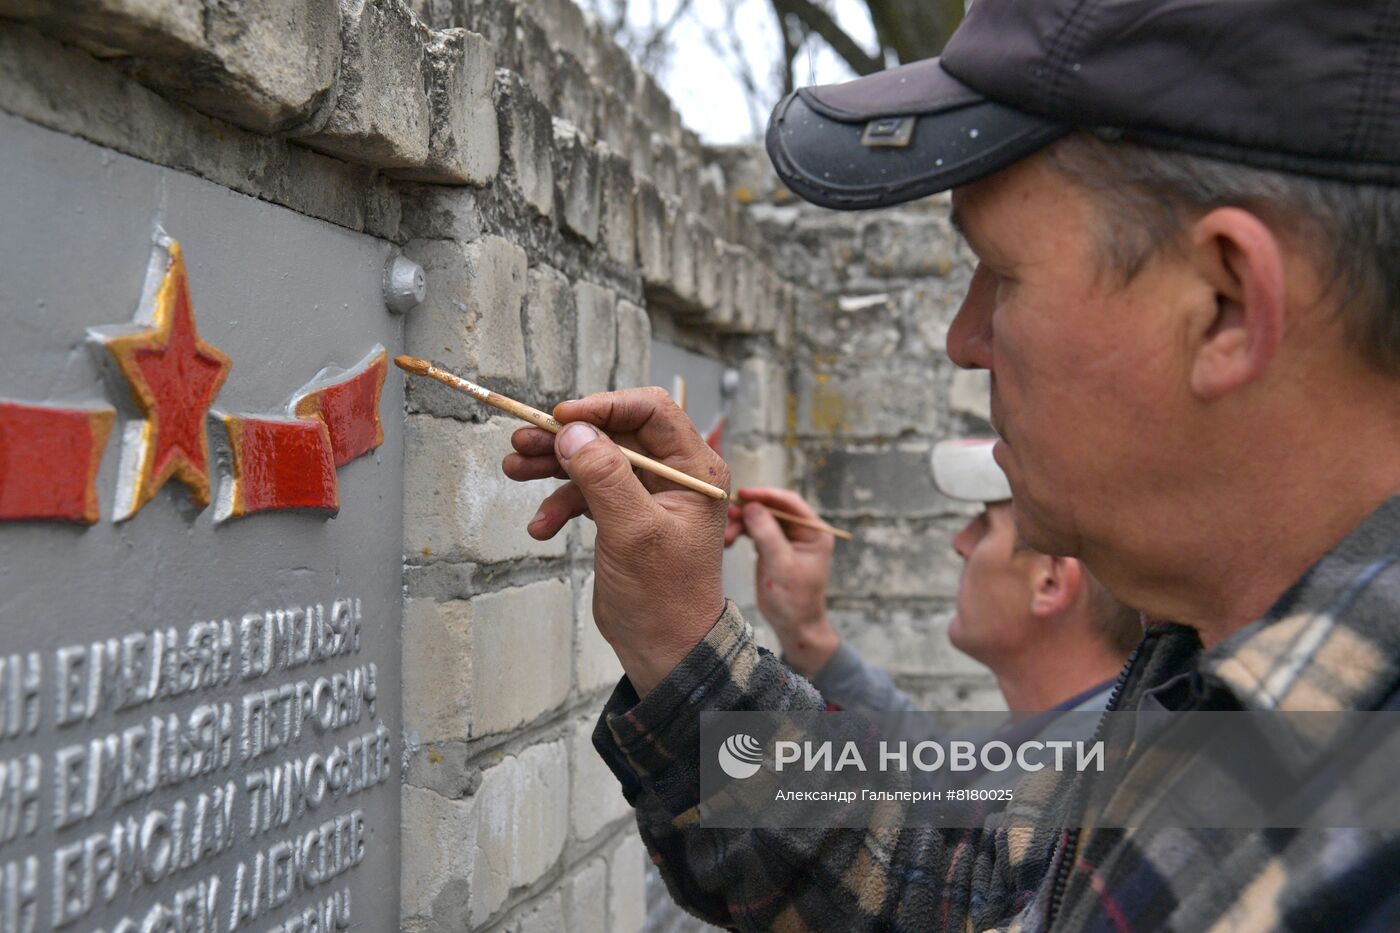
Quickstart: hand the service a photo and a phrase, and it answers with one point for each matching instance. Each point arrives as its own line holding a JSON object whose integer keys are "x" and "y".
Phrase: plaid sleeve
{"x": 837, "y": 879}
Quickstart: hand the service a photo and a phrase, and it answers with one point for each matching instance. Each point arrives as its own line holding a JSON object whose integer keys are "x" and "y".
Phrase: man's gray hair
{"x": 1148, "y": 197}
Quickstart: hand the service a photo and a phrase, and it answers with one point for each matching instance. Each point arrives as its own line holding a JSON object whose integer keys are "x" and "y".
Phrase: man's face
{"x": 1086, "y": 372}
{"x": 995, "y": 589}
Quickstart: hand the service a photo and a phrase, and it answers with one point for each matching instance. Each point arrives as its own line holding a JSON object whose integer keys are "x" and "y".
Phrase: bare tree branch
{"x": 821, "y": 22}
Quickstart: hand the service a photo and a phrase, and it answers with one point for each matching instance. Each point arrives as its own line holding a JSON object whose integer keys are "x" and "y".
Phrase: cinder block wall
{"x": 871, "y": 392}
{"x": 563, "y": 215}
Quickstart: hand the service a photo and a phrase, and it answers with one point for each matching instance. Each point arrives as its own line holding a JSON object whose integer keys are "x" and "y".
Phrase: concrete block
{"x": 462, "y": 858}
{"x": 565, "y": 24}
{"x": 595, "y": 664}
{"x": 582, "y": 534}
{"x": 760, "y": 404}
{"x": 458, "y": 506}
{"x": 619, "y": 202}
{"x": 497, "y": 20}
{"x": 66, "y": 90}
{"x": 438, "y": 212}
{"x": 438, "y": 661}
{"x": 580, "y": 180}
{"x": 627, "y": 886}
{"x": 655, "y": 105}
{"x": 536, "y": 55}
{"x": 770, "y": 300}
{"x": 437, "y": 864}
{"x": 638, "y": 148}
{"x": 633, "y": 347}
{"x": 464, "y": 143}
{"x": 742, "y": 270}
{"x": 910, "y": 247}
{"x": 726, "y": 309}
{"x": 757, "y": 464}
{"x": 979, "y": 693}
{"x": 597, "y": 800}
{"x": 550, "y": 333}
{"x": 527, "y": 137}
{"x": 855, "y": 326}
{"x": 970, "y": 393}
{"x": 381, "y": 115}
{"x": 524, "y": 815}
{"x": 471, "y": 318}
{"x": 740, "y": 580}
{"x": 574, "y": 98}
{"x": 871, "y": 402}
{"x": 520, "y": 641}
{"x": 664, "y": 168}
{"x": 881, "y": 481}
{"x": 705, "y": 258}
{"x": 655, "y": 220}
{"x": 683, "y": 248}
{"x": 898, "y": 559}
{"x": 912, "y": 641}
{"x": 261, "y": 64}
{"x": 714, "y": 197}
{"x": 612, "y": 120}
{"x": 545, "y": 915}
{"x": 597, "y": 336}
{"x": 586, "y": 896}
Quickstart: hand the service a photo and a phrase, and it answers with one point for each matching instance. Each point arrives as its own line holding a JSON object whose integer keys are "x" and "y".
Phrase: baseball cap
{"x": 965, "y": 469}
{"x": 1305, "y": 86}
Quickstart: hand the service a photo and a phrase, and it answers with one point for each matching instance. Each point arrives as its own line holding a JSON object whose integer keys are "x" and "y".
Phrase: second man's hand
{"x": 657, "y": 587}
{"x": 793, "y": 565}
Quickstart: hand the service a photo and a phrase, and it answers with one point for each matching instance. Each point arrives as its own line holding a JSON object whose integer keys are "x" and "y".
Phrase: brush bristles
{"x": 413, "y": 364}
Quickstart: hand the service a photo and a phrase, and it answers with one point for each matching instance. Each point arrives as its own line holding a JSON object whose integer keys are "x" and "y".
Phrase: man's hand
{"x": 657, "y": 586}
{"x": 793, "y": 564}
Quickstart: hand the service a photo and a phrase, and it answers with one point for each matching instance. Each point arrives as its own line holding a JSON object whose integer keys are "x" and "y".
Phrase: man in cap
{"x": 1052, "y": 636}
{"x": 1187, "y": 218}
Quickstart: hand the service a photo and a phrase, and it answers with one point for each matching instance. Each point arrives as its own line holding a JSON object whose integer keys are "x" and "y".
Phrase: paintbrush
{"x": 411, "y": 364}
{"x": 792, "y": 519}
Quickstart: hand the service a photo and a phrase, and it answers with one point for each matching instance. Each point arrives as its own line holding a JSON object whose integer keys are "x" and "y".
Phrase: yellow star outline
{"x": 173, "y": 376}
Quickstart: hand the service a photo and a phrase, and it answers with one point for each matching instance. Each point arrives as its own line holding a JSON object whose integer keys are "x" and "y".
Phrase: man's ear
{"x": 1055, "y": 586}
{"x": 1241, "y": 259}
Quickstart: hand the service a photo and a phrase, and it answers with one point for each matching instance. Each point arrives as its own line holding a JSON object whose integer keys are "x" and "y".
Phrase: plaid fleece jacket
{"x": 1332, "y": 642}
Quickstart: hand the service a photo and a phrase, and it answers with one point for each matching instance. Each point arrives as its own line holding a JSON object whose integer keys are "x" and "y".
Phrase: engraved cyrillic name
{"x": 327, "y": 916}
{"x": 192, "y": 909}
{"x": 120, "y": 767}
{"x": 285, "y": 639}
{"x": 287, "y": 869}
{"x": 19, "y": 895}
{"x": 142, "y": 812}
{"x": 21, "y": 684}
{"x": 139, "y": 851}
{"x": 275, "y": 717}
{"x": 283, "y": 792}
{"x": 19, "y": 797}
{"x": 121, "y": 673}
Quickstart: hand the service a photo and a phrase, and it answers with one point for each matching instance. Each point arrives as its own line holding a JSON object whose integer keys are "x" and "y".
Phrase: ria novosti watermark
{"x": 741, "y": 756}
{"x": 953, "y": 770}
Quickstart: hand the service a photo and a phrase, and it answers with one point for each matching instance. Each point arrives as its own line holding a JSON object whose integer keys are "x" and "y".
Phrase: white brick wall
{"x": 521, "y": 652}
{"x": 595, "y": 664}
{"x": 627, "y": 902}
{"x": 517, "y": 828}
{"x": 597, "y": 799}
{"x": 457, "y": 503}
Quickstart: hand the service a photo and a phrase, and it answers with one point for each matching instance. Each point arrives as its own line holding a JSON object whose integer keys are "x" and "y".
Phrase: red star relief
{"x": 173, "y": 377}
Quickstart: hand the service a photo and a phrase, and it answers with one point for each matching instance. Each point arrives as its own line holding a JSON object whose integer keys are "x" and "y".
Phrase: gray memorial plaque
{"x": 199, "y": 703}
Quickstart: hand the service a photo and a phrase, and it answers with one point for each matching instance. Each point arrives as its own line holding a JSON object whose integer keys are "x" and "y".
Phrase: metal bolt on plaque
{"x": 405, "y": 284}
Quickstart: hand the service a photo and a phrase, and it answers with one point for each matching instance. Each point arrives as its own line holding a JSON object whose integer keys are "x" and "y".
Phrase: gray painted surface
{"x": 703, "y": 380}
{"x": 283, "y": 296}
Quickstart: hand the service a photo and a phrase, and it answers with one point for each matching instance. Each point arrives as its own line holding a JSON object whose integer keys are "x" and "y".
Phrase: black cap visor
{"x": 894, "y": 136}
